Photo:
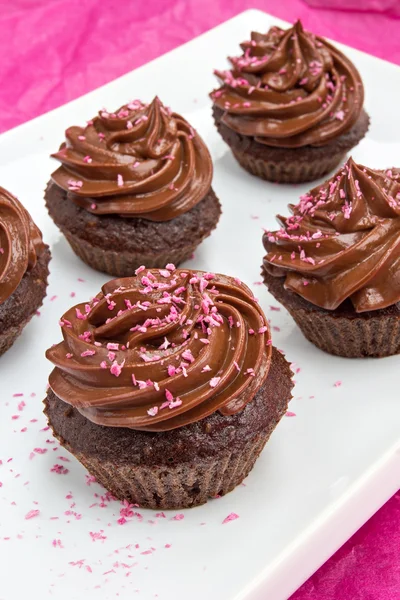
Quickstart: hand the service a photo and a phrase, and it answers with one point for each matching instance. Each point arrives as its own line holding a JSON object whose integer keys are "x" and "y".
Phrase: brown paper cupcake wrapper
{"x": 351, "y": 337}
{"x": 26, "y": 299}
{"x": 287, "y": 171}
{"x": 181, "y": 486}
{"x": 124, "y": 264}
{"x": 8, "y": 337}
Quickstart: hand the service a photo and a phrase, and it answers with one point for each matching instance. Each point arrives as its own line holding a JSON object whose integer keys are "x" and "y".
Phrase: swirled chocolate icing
{"x": 161, "y": 350}
{"x": 290, "y": 89}
{"x": 342, "y": 241}
{"x": 20, "y": 243}
{"x": 143, "y": 160}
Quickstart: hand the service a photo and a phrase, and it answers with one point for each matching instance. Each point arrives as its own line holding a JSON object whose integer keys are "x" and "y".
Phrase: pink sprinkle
{"x": 169, "y": 395}
{"x": 187, "y": 355}
{"x": 140, "y": 269}
{"x": 112, "y": 346}
{"x": 337, "y": 384}
{"x": 175, "y": 403}
{"x": 339, "y": 115}
{"x": 32, "y": 513}
{"x": 116, "y": 369}
{"x": 288, "y": 413}
{"x": 79, "y": 315}
{"x": 153, "y": 411}
{"x": 231, "y": 517}
{"x": 178, "y": 517}
{"x": 214, "y": 381}
{"x": 99, "y": 535}
{"x": 88, "y": 353}
{"x": 120, "y": 180}
{"x": 59, "y": 469}
{"x": 206, "y": 368}
{"x": 263, "y": 329}
{"x": 87, "y": 159}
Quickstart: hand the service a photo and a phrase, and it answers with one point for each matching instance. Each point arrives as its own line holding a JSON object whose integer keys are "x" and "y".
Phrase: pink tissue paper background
{"x": 56, "y": 50}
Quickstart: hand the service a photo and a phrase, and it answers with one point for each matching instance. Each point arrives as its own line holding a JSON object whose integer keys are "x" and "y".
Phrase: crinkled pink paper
{"x": 55, "y": 50}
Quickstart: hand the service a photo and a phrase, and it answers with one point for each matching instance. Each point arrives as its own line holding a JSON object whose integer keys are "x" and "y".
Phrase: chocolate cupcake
{"x": 24, "y": 260}
{"x": 133, "y": 188}
{"x": 166, "y": 386}
{"x": 335, "y": 263}
{"x": 291, "y": 106}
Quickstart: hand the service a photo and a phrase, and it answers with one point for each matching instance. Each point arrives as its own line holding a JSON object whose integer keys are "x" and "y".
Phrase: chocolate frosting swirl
{"x": 143, "y": 160}
{"x": 161, "y": 350}
{"x": 290, "y": 89}
{"x": 20, "y": 243}
{"x": 343, "y": 241}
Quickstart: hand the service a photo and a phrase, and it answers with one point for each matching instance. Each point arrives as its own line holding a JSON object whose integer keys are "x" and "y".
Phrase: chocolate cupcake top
{"x": 290, "y": 89}
{"x": 143, "y": 160}
{"x": 342, "y": 241}
{"x": 161, "y": 350}
{"x": 20, "y": 243}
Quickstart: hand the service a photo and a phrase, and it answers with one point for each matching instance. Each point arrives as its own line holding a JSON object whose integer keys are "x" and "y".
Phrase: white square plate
{"x": 323, "y": 473}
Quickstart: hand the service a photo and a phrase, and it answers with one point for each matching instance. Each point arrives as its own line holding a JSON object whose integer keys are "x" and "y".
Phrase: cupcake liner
{"x": 20, "y": 307}
{"x": 289, "y": 165}
{"x": 124, "y": 264}
{"x": 343, "y": 333}
{"x": 8, "y": 337}
{"x": 340, "y": 332}
{"x": 172, "y": 487}
{"x": 183, "y": 467}
{"x": 287, "y": 171}
{"x": 351, "y": 337}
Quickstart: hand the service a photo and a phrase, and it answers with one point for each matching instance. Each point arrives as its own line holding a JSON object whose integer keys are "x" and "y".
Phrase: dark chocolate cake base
{"x": 290, "y": 165}
{"x": 179, "y": 468}
{"x": 19, "y": 308}
{"x": 119, "y": 245}
{"x": 342, "y": 331}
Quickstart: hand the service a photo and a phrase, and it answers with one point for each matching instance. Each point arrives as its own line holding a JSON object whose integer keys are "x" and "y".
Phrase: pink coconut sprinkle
{"x": 214, "y": 381}
{"x": 32, "y": 514}
{"x": 231, "y": 517}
